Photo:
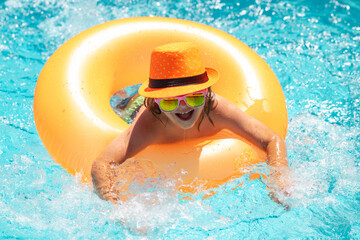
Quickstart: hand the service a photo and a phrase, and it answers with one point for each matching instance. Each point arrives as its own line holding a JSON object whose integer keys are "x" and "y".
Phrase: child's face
{"x": 184, "y": 116}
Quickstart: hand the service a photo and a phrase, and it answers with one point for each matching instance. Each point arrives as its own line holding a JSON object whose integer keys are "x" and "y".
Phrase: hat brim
{"x": 145, "y": 91}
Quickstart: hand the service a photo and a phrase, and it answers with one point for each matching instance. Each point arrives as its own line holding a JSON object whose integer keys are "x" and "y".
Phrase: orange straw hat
{"x": 177, "y": 69}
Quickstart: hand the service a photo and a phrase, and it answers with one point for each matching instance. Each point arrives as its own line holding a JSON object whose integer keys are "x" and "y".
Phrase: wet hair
{"x": 153, "y": 107}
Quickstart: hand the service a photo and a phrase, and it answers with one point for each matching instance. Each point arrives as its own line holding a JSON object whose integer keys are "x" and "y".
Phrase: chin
{"x": 187, "y": 126}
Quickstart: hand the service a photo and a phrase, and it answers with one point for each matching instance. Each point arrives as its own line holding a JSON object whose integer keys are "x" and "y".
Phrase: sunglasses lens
{"x": 169, "y": 104}
{"x": 195, "y": 100}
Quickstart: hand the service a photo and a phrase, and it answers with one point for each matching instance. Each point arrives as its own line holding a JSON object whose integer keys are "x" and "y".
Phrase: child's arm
{"x": 231, "y": 117}
{"x": 121, "y": 148}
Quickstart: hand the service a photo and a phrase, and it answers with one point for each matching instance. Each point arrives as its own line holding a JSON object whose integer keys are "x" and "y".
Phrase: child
{"x": 178, "y": 98}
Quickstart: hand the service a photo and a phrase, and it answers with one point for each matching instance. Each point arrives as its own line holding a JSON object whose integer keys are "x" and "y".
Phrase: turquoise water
{"x": 313, "y": 48}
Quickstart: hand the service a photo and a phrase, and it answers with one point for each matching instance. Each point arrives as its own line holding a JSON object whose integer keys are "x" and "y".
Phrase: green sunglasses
{"x": 195, "y": 99}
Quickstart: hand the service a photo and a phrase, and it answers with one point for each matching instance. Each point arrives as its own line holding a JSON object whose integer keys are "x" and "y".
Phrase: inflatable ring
{"x": 75, "y": 120}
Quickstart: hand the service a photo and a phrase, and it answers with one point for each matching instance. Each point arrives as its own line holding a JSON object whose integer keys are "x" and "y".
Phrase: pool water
{"x": 313, "y": 48}
{"x": 126, "y": 103}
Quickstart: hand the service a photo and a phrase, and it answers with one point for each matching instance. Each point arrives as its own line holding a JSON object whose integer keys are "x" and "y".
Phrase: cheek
{"x": 171, "y": 117}
{"x": 168, "y": 115}
{"x": 199, "y": 110}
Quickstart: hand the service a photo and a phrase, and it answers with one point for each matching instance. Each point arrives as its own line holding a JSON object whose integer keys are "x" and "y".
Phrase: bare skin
{"x": 171, "y": 129}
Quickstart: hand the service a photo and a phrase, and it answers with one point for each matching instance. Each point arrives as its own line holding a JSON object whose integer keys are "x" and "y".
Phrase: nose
{"x": 182, "y": 103}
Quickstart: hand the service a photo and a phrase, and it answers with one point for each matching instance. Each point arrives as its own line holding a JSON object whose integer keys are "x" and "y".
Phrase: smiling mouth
{"x": 185, "y": 116}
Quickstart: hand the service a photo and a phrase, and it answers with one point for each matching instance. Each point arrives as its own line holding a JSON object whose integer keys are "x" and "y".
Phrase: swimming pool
{"x": 313, "y": 48}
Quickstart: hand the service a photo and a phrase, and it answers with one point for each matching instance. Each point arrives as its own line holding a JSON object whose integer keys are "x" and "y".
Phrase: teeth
{"x": 184, "y": 113}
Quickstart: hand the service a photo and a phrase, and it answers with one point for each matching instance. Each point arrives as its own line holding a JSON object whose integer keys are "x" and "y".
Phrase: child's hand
{"x": 280, "y": 185}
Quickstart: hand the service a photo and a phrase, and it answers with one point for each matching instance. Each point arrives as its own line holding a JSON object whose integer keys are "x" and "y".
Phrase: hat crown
{"x": 176, "y": 60}
{"x": 177, "y": 69}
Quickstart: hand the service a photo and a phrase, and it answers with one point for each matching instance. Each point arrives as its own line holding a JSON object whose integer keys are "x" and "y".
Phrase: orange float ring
{"x": 75, "y": 120}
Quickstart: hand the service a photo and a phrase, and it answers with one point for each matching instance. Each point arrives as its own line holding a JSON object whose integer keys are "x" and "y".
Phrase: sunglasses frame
{"x": 183, "y": 98}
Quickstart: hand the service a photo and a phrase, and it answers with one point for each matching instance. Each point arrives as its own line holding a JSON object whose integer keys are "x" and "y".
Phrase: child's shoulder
{"x": 145, "y": 117}
{"x": 146, "y": 121}
{"x": 222, "y": 104}
{"x": 225, "y": 113}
